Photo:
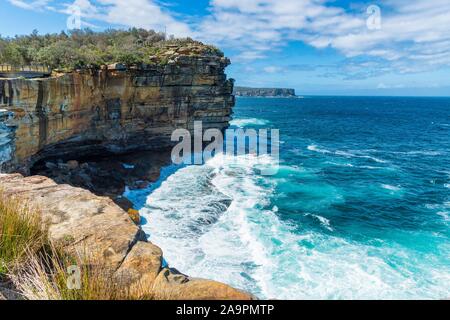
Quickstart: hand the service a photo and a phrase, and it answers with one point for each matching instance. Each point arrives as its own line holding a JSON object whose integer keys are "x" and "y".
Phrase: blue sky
{"x": 390, "y": 47}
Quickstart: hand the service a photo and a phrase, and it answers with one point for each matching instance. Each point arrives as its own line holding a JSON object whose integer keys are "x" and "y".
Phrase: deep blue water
{"x": 360, "y": 207}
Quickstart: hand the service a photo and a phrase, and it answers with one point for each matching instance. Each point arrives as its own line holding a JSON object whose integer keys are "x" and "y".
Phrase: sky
{"x": 318, "y": 47}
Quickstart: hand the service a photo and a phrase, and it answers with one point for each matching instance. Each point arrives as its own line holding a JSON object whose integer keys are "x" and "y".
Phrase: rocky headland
{"x": 70, "y": 143}
{"x": 264, "y": 92}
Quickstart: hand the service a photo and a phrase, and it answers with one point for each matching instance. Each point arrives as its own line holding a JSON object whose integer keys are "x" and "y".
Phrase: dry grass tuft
{"x": 21, "y": 231}
{"x": 49, "y": 275}
{"x": 40, "y": 270}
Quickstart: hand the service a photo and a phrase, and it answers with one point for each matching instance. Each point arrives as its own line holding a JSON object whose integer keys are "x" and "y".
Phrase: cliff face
{"x": 264, "y": 92}
{"x": 6, "y": 137}
{"x": 110, "y": 110}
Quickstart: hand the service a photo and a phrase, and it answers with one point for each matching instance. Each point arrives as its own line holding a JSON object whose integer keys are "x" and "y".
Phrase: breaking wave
{"x": 219, "y": 221}
{"x": 241, "y": 123}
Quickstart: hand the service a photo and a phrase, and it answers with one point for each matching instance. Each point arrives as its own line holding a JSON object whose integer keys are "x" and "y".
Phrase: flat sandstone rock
{"x": 82, "y": 221}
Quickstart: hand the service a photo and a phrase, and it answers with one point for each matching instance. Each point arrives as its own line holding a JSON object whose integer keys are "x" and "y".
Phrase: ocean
{"x": 359, "y": 209}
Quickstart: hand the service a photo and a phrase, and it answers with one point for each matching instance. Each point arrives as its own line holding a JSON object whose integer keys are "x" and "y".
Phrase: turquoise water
{"x": 360, "y": 207}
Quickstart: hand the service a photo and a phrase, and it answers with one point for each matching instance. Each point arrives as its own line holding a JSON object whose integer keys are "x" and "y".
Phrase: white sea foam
{"x": 241, "y": 123}
{"x": 324, "y": 221}
{"x": 441, "y": 210}
{"x": 188, "y": 216}
{"x": 424, "y": 153}
{"x": 296, "y": 151}
{"x": 216, "y": 221}
{"x": 375, "y": 168}
{"x": 413, "y": 152}
{"x": 128, "y": 166}
{"x": 359, "y": 167}
{"x": 315, "y": 148}
{"x": 340, "y": 164}
{"x": 345, "y": 154}
{"x": 390, "y": 187}
{"x": 352, "y": 155}
{"x": 445, "y": 215}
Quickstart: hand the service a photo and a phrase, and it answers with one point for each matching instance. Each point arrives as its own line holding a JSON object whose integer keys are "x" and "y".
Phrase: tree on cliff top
{"x": 87, "y": 49}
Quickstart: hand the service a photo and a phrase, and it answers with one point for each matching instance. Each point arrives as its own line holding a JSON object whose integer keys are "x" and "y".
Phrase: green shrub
{"x": 88, "y": 49}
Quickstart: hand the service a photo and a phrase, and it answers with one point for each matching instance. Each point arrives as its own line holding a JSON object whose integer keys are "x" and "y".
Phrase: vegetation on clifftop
{"x": 88, "y": 49}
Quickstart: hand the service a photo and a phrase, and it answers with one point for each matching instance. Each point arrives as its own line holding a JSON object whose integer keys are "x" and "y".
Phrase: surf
{"x": 351, "y": 213}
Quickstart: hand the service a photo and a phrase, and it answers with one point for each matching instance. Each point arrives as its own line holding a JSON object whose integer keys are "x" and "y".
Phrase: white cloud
{"x": 132, "y": 13}
{"x": 143, "y": 14}
{"x": 272, "y": 69}
{"x": 414, "y": 34}
{"x": 30, "y": 5}
{"x": 391, "y": 86}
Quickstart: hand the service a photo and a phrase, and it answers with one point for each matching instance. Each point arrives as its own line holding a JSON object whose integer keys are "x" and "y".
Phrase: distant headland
{"x": 264, "y": 92}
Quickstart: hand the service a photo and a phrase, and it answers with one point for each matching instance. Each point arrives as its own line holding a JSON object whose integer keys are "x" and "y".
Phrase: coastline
{"x": 98, "y": 132}
{"x": 97, "y": 229}
{"x": 293, "y": 228}
{"x": 269, "y": 97}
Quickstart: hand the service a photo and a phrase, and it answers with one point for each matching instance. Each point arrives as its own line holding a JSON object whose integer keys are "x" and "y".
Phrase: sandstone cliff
{"x": 111, "y": 110}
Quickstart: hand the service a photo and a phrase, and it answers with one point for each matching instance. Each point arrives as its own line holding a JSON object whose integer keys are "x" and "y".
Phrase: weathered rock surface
{"x": 77, "y": 217}
{"x": 171, "y": 285}
{"x": 83, "y": 222}
{"x": 7, "y": 292}
{"x": 91, "y": 113}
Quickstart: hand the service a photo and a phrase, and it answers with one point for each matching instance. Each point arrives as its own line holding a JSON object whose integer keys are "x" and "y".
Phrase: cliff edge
{"x": 82, "y": 222}
{"x": 109, "y": 111}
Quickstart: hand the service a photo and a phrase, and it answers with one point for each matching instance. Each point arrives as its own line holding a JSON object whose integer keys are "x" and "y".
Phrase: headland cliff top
{"x": 82, "y": 49}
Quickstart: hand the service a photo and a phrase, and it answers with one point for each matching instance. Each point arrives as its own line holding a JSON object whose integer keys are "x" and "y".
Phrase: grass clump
{"x": 41, "y": 270}
{"x": 21, "y": 231}
{"x": 52, "y": 274}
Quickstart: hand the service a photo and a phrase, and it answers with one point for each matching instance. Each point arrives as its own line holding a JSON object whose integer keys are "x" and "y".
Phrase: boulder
{"x": 135, "y": 216}
{"x": 140, "y": 268}
{"x": 51, "y": 165}
{"x": 72, "y": 164}
{"x": 95, "y": 224}
{"x": 83, "y": 222}
{"x": 8, "y": 293}
{"x": 172, "y": 285}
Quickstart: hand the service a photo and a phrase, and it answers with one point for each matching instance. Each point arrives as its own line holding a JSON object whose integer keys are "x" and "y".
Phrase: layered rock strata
{"x": 113, "y": 110}
{"x": 88, "y": 114}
